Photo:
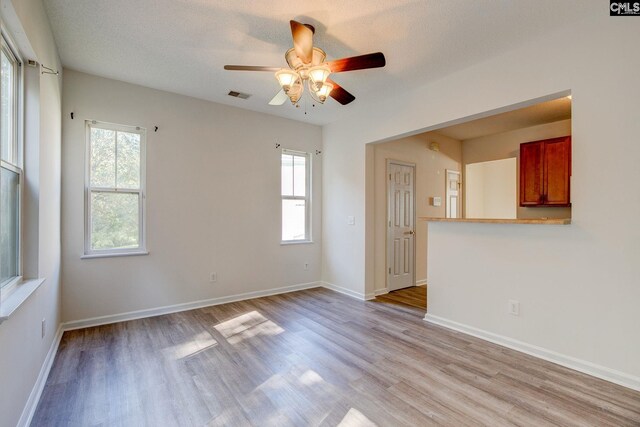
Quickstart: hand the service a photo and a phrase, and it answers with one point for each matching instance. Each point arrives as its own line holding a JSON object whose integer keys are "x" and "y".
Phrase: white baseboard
{"x": 139, "y": 314}
{"x": 32, "y": 402}
{"x": 583, "y": 366}
{"x": 421, "y": 282}
{"x": 346, "y": 291}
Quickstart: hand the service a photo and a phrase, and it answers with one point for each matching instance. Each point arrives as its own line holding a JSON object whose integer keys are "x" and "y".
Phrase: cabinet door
{"x": 557, "y": 171}
{"x": 531, "y": 173}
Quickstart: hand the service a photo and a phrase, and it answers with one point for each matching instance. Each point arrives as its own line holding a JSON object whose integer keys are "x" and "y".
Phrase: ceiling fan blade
{"x": 250, "y": 68}
{"x": 302, "y": 41}
{"x": 339, "y": 94}
{"x": 279, "y": 99}
{"x": 362, "y": 62}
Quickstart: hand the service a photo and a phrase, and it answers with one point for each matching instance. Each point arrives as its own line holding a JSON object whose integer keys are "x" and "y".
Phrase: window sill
{"x": 18, "y": 296}
{"x": 297, "y": 242}
{"x": 114, "y": 255}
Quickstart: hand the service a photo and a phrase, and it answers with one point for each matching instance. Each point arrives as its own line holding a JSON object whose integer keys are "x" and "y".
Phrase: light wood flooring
{"x": 415, "y": 296}
{"x": 312, "y": 357}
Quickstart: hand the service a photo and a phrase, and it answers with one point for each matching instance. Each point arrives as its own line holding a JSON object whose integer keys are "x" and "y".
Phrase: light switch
{"x": 436, "y": 201}
{"x": 351, "y": 220}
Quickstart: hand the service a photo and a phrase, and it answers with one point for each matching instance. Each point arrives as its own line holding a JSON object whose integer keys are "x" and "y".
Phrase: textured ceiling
{"x": 544, "y": 112}
{"x": 181, "y": 46}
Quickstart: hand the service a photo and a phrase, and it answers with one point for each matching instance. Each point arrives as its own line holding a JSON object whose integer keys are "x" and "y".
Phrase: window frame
{"x": 15, "y": 164}
{"x": 307, "y": 197}
{"x": 141, "y": 249}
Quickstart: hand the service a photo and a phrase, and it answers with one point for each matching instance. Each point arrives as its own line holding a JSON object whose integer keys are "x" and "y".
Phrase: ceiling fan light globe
{"x": 324, "y": 92}
{"x": 295, "y": 92}
{"x": 292, "y": 59}
{"x": 320, "y": 95}
{"x": 294, "y": 98}
{"x": 286, "y": 78}
{"x": 318, "y": 75}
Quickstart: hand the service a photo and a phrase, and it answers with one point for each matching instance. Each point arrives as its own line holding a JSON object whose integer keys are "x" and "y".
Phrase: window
{"x": 114, "y": 189}
{"x": 10, "y": 168}
{"x": 295, "y": 197}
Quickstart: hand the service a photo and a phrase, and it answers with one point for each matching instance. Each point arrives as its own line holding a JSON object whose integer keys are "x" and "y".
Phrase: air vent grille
{"x": 238, "y": 94}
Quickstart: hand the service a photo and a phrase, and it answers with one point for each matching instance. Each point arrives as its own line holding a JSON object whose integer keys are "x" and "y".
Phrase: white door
{"x": 452, "y": 199}
{"x": 400, "y": 225}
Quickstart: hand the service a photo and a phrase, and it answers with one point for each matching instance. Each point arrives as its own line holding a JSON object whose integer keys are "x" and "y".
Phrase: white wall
{"x": 430, "y": 182}
{"x": 507, "y": 145}
{"x": 213, "y": 201}
{"x": 578, "y": 285}
{"x": 22, "y": 349}
{"x": 491, "y": 190}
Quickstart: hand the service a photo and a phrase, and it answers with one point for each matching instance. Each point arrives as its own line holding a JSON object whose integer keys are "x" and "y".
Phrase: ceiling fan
{"x": 307, "y": 64}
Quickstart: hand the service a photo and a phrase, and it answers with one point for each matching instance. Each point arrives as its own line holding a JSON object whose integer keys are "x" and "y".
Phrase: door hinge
{"x": 389, "y": 270}
{"x": 389, "y": 177}
{"x": 389, "y": 223}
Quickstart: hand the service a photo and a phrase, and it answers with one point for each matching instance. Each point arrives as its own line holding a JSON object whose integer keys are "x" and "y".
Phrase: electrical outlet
{"x": 44, "y": 327}
{"x": 351, "y": 220}
{"x": 213, "y": 277}
{"x": 306, "y": 265}
{"x": 514, "y": 307}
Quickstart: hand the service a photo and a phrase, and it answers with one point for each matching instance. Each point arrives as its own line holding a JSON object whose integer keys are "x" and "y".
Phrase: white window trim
{"x": 117, "y": 252}
{"x": 308, "y": 237}
{"x": 11, "y": 286}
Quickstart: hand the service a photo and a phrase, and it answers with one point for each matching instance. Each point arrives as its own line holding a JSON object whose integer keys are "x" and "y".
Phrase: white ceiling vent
{"x": 238, "y": 94}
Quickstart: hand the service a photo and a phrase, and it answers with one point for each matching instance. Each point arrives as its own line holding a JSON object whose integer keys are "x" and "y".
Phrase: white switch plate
{"x": 436, "y": 201}
{"x": 351, "y": 220}
{"x": 514, "y": 307}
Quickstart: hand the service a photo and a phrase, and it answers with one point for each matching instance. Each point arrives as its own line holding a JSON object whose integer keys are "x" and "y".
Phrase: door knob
{"x": 409, "y": 232}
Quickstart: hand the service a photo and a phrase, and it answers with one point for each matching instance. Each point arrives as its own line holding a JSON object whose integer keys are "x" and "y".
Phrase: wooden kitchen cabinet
{"x": 545, "y": 171}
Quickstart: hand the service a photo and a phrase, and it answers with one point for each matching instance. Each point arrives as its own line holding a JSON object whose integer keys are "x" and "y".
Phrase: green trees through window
{"x": 115, "y": 193}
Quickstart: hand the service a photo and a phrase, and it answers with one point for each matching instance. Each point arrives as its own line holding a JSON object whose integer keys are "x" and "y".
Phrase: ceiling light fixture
{"x": 287, "y": 79}
{"x": 315, "y": 73}
{"x": 318, "y": 76}
{"x": 321, "y": 94}
{"x": 307, "y": 66}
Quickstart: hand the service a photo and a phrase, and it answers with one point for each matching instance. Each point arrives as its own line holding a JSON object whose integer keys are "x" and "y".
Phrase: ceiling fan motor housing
{"x": 296, "y": 63}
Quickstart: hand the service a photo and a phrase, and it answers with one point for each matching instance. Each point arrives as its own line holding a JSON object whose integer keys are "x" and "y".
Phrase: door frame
{"x": 446, "y": 192}
{"x": 388, "y": 218}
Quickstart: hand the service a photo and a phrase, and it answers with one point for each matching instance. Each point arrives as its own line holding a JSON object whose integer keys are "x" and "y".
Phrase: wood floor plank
{"x": 313, "y": 357}
{"x": 415, "y": 296}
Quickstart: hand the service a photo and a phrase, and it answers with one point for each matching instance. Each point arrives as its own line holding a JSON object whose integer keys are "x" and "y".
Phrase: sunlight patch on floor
{"x": 198, "y": 343}
{"x": 355, "y": 418}
{"x": 310, "y": 378}
{"x": 246, "y": 326}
